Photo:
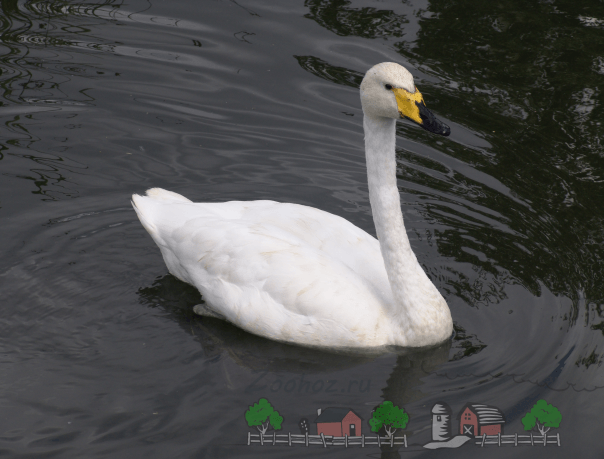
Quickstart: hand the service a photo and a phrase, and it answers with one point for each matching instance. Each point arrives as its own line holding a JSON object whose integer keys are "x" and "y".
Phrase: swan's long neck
{"x": 419, "y": 306}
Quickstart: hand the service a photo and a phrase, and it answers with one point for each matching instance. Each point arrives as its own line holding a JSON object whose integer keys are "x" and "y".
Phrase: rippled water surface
{"x": 101, "y": 354}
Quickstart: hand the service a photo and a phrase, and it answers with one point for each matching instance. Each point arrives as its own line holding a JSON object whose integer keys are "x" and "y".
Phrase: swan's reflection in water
{"x": 299, "y": 380}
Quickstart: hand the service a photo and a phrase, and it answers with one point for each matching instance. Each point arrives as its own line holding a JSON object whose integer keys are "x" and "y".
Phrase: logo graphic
{"x": 477, "y": 423}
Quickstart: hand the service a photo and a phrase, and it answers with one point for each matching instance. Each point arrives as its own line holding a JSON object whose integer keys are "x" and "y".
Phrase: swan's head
{"x": 388, "y": 91}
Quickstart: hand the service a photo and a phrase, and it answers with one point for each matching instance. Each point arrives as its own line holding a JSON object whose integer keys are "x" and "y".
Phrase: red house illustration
{"x": 338, "y": 422}
{"x": 477, "y": 420}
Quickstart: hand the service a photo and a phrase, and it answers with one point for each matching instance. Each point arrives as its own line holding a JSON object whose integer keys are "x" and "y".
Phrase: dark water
{"x": 101, "y": 355}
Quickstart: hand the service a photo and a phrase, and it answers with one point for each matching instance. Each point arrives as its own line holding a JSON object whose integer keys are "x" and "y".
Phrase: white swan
{"x": 297, "y": 274}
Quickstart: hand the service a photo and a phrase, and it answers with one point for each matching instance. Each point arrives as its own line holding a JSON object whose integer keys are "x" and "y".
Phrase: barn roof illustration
{"x": 486, "y": 414}
{"x": 334, "y": 415}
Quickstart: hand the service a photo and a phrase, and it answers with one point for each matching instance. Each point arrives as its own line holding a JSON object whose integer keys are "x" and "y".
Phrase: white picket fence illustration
{"x": 516, "y": 439}
{"x": 325, "y": 440}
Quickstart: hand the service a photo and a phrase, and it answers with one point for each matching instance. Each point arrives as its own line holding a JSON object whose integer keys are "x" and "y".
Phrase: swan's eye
{"x": 388, "y": 87}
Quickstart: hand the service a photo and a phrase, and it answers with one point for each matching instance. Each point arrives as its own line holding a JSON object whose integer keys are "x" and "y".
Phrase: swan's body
{"x": 298, "y": 274}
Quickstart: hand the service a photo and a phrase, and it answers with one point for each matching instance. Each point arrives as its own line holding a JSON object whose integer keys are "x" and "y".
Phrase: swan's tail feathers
{"x": 143, "y": 212}
{"x": 160, "y": 194}
{"x": 154, "y": 211}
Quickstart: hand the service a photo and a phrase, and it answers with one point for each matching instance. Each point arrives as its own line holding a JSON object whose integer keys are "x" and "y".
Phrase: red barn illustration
{"x": 338, "y": 422}
{"x": 476, "y": 420}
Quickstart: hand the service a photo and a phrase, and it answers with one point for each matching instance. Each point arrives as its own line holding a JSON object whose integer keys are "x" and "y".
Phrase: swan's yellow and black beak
{"x": 411, "y": 106}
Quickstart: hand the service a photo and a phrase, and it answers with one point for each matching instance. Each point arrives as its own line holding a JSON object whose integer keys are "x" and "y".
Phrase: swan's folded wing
{"x": 270, "y": 283}
{"x": 332, "y": 235}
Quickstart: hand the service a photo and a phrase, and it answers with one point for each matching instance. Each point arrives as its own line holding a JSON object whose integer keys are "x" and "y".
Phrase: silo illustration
{"x": 441, "y": 422}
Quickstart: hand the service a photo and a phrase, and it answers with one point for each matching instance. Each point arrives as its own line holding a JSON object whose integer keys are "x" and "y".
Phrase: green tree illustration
{"x": 543, "y": 416}
{"x": 389, "y": 416}
{"x": 262, "y": 415}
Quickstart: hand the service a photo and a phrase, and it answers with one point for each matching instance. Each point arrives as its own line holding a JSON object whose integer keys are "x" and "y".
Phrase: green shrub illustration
{"x": 389, "y": 416}
{"x": 543, "y": 416}
{"x": 262, "y": 415}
